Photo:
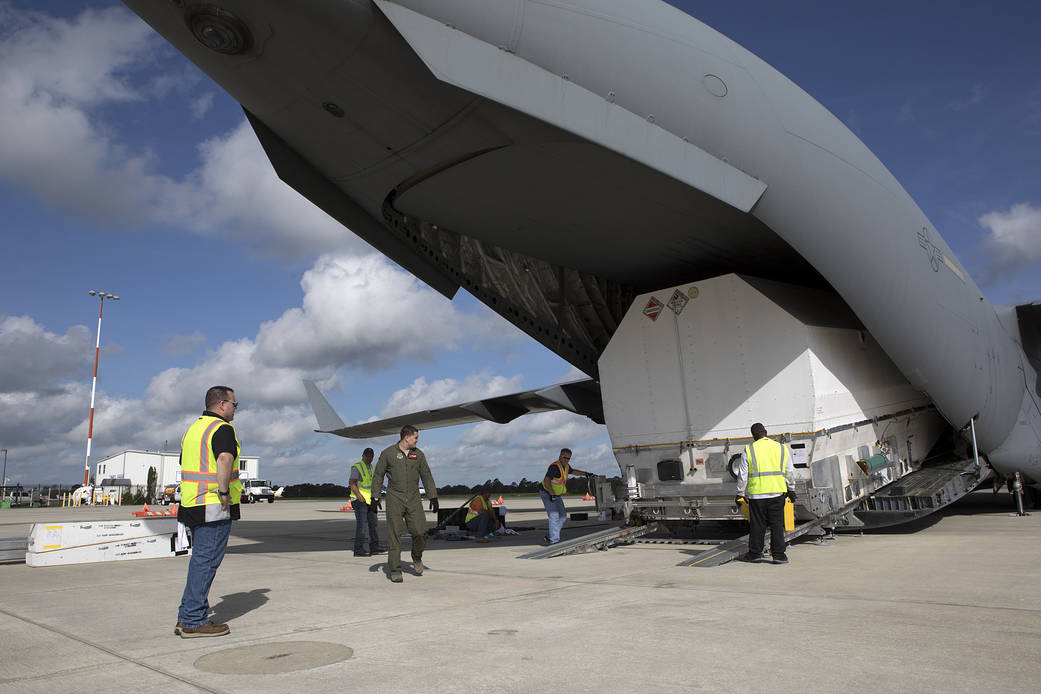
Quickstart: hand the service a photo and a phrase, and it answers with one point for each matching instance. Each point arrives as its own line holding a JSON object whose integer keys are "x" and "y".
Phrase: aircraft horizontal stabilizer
{"x": 581, "y": 397}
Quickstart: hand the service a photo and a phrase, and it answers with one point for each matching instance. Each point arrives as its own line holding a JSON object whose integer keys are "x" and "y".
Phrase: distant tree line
{"x": 575, "y": 485}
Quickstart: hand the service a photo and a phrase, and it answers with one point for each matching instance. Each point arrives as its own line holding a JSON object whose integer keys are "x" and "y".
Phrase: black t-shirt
{"x": 223, "y": 441}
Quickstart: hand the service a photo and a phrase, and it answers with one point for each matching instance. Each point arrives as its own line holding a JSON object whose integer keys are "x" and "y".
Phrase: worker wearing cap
{"x": 365, "y": 512}
{"x": 404, "y": 466}
{"x": 765, "y": 479}
{"x": 554, "y": 487}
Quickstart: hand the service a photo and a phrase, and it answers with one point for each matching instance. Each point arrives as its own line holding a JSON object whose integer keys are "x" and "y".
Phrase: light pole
{"x": 94, "y": 382}
{"x": 3, "y": 480}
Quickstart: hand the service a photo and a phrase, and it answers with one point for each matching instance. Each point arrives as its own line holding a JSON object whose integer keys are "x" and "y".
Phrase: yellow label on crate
{"x": 52, "y": 537}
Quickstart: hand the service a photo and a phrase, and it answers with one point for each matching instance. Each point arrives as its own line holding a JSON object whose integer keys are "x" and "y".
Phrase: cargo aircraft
{"x": 665, "y": 211}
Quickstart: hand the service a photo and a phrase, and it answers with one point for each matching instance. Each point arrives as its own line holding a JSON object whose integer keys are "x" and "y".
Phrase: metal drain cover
{"x": 273, "y": 658}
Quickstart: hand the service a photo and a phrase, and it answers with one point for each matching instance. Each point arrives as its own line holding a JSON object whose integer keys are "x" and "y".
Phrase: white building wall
{"x": 134, "y": 466}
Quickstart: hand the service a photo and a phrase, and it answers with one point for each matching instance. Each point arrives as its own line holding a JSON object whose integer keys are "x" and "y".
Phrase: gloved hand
{"x": 738, "y": 499}
{"x": 374, "y": 506}
{"x": 791, "y": 496}
{"x": 434, "y": 506}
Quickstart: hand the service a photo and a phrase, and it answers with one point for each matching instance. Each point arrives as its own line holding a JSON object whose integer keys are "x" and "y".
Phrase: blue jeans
{"x": 209, "y": 541}
{"x": 365, "y": 519}
{"x": 480, "y": 525}
{"x": 557, "y": 515}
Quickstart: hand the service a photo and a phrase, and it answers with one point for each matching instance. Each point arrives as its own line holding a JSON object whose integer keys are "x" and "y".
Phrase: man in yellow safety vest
{"x": 554, "y": 486}
{"x": 365, "y": 510}
{"x": 481, "y": 518}
{"x": 765, "y": 480}
{"x": 210, "y": 494}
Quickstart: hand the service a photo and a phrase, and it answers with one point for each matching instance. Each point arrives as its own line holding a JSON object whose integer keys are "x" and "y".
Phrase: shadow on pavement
{"x": 321, "y": 535}
{"x": 235, "y": 605}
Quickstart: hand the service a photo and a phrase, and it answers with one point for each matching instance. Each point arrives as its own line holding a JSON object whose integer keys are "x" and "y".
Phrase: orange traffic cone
{"x": 145, "y": 508}
{"x": 348, "y": 507}
{"x": 587, "y": 497}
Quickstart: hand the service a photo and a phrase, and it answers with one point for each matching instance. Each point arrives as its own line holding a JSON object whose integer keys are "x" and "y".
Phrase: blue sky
{"x": 123, "y": 168}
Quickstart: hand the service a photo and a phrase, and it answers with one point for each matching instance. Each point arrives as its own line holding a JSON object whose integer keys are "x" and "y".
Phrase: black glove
{"x": 434, "y": 506}
{"x": 374, "y": 506}
{"x": 791, "y": 496}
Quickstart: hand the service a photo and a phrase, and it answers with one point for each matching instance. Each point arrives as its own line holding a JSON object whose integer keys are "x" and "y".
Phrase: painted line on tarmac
{"x": 109, "y": 651}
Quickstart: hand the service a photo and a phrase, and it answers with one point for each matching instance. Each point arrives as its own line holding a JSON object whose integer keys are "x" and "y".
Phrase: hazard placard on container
{"x": 678, "y": 301}
{"x": 653, "y": 309}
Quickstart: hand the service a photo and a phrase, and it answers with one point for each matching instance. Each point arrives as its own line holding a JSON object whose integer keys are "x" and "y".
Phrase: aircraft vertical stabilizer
{"x": 327, "y": 418}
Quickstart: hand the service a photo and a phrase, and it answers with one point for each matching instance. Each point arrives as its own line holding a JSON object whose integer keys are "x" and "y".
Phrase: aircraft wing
{"x": 581, "y": 397}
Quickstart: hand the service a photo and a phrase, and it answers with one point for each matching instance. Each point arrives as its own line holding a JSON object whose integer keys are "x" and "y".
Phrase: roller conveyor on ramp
{"x": 911, "y": 497}
{"x": 593, "y": 542}
{"x": 12, "y": 549}
{"x": 735, "y": 548}
{"x": 920, "y": 493}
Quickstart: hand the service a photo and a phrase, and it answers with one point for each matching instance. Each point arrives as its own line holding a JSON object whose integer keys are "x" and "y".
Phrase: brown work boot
{"x": 207, "y": 629}
{"x": 417, "y": 566}
{"x": 396, "y": 578}
{"x": 177, "y": 628}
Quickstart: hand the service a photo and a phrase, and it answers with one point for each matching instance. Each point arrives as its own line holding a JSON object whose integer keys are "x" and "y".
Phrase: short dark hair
{"x": 758, "y": 431}
{"x": 217, "y": 393}
{"x": 565, "y": 450}
{"x": 408, "y": 430}
{"x": 369, "y": 451}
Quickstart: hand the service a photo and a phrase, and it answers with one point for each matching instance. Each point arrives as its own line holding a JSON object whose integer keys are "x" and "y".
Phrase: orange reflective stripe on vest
{"x": 558, "y": 485}
{"x": 199, "y": 465}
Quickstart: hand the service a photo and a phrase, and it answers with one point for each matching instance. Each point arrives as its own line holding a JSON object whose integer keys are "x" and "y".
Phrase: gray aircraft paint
{"x": 581, "y": 79}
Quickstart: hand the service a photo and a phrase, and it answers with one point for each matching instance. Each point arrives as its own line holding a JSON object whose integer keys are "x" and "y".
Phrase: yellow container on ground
{"x": 789, "y": 513}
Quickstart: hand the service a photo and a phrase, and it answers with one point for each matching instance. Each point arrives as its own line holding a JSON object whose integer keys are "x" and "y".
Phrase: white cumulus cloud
{"x": 420, "y": 395}
{"x": 1013, "y": 241}
{"x": 56, "y": 77}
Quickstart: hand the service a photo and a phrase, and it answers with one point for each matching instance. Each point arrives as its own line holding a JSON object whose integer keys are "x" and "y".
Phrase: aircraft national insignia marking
{"x": 678, "y": 301}
{"x": 653, "y": 309}
{"x": 936, "y": 256}
{"x": 931, "y": 249}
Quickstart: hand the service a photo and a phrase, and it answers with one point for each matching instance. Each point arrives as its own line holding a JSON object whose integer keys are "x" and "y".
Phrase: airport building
{"x": 133, "y": 466}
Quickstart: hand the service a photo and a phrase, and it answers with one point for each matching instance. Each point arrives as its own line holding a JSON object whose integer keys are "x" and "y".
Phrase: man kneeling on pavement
{"x": 482, "y": 519}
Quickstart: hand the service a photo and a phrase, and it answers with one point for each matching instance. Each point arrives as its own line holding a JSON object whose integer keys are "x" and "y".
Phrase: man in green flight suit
{"x": 404, "y": 465}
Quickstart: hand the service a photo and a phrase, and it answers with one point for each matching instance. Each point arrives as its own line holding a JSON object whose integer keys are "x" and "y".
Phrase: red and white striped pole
{"x": 94, "y": 382}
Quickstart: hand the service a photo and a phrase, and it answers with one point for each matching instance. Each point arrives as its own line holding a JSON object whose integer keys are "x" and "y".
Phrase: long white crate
{"x": 52, "y": 544}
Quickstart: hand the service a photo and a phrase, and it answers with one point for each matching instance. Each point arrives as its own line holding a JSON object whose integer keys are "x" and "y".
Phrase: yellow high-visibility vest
{"x": 199, "y": 465}
{"x": 365, "y": 480}
{"x": 558, "y": 485}
{"x": 767, "y": 465}
{"x": 472, "y": 512}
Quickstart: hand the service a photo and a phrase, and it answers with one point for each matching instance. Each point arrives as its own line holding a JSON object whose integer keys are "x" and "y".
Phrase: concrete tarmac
{"x": 951, "y": 605}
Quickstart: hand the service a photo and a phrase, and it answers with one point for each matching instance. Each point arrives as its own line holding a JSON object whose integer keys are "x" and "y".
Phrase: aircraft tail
{"x": 327, "y": 418}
